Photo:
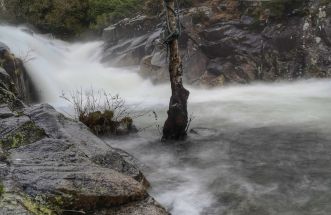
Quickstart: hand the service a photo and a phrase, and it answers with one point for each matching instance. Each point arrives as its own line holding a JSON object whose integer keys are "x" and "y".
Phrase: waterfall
{"x": 254, "y": 147}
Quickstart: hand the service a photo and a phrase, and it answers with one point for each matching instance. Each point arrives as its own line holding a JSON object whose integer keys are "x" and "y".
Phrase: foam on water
{"x": 251, "y": 146}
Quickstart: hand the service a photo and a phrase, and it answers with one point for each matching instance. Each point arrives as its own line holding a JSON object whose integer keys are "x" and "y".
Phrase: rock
{"x": 127, "y": 53}
{"x": 284, "y": 38}
{"x": 19, "y": 81}
{"x": 50, "y": 164}
{"x": 129, "y": 28}
{"x": 5, "y": 80}
{"x": 205, "y": 10}
{"x": 148, "y": 207}
{"x": 214, "y": 68}
{"x": 194, "y": 66}
{"x": 157, "y": 74}
{"x": 230, "y": 40}
{"x": 247, "y": 20}
{"x": 3, "y": 48}
{"x": 18, "y": 131}
{"x": 66, "y": 173}
{"x": 61, "y": 165}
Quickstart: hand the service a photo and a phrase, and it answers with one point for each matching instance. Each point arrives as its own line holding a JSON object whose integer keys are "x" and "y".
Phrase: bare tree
{"x": 177, "y": 121}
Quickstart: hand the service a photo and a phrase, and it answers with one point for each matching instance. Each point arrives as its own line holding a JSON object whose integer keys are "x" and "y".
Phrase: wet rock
{"x": 130, "y": 28}
{"x": 233, "y": 45}
{"x": 67, "y": 167}
{"x": 50, "y": 164}
{"x": 79, "y": 183}
{"x": 247, "y": 20}
{"x": 148, "y": 207}
{"x": 3, "y": 48}
{"x": 18, "y": 131}
{"x": 157, "y": 74}
{"x": 19, "y": 81}
{"x": 214, "y": 68}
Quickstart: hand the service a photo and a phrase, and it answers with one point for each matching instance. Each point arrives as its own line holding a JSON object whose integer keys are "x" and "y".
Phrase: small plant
{"x": 102, "y": 112}
{"x": 2, "y": 189}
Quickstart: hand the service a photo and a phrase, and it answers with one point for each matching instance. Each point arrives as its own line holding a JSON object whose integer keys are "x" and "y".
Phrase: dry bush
{"x": 102, "y": 112}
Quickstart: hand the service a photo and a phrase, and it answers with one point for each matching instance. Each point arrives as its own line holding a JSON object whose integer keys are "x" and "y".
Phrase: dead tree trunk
{"x": 176, "y": 124}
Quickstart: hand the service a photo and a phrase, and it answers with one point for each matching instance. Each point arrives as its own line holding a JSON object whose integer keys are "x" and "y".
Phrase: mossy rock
{"x": 36, "y": 207}
{"x": 21, "y": 203}
{"x": 24, "y": 135}
{"x": 3, "y": 156}
{"x": 6, "y": 96}
{"x": 2, "y": 189}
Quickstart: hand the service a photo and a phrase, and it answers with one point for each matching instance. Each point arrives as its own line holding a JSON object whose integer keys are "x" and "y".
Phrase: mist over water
{"x": 254, "y": 150}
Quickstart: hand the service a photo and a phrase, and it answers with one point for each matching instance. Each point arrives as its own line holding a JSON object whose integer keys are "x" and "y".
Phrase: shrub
{"x": 67, "y": 18}
{"x": 64, "y": 18}
{"x": 102, "y": 112}
{"x": 70, "y": 17}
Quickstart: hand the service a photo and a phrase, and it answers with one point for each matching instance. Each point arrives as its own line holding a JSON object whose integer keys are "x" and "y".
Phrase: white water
{"x": 225, "y": 168}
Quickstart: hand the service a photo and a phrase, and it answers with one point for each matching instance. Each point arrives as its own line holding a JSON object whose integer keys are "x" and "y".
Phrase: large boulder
{"x": 230, "y": 43}
{"x": 57, "y": 164}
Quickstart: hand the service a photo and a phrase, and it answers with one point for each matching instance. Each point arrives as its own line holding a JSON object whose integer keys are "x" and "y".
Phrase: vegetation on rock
{"x": 2, "y": 189}
{"x": 72, "y": 17}
{"x": 102, "y": 112}
{"x": 23, "y": 135}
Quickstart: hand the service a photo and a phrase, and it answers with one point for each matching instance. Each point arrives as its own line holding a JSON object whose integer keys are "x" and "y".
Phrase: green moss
{"x": 58, "y": 200}
{"x": 37, "y": 208}
{"x": 2, "y": 189}
{"x": 6, "y": 96}
{"x": 26, "y": 134}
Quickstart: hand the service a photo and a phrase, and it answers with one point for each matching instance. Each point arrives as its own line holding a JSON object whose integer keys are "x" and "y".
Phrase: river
{"x": 256, "y": 149}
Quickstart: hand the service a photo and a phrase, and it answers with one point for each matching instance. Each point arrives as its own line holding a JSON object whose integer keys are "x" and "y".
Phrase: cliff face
{"x": 227, "y": 41}
{"x": 50, "y": 164}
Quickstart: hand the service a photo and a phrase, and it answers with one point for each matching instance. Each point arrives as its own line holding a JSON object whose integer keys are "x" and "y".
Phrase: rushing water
{"x": 254, "y": 150}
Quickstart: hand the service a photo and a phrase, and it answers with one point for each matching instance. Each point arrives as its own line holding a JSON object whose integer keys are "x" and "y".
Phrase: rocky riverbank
{"x": 227, "y": 41}
{"x": 50, "y": 164}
